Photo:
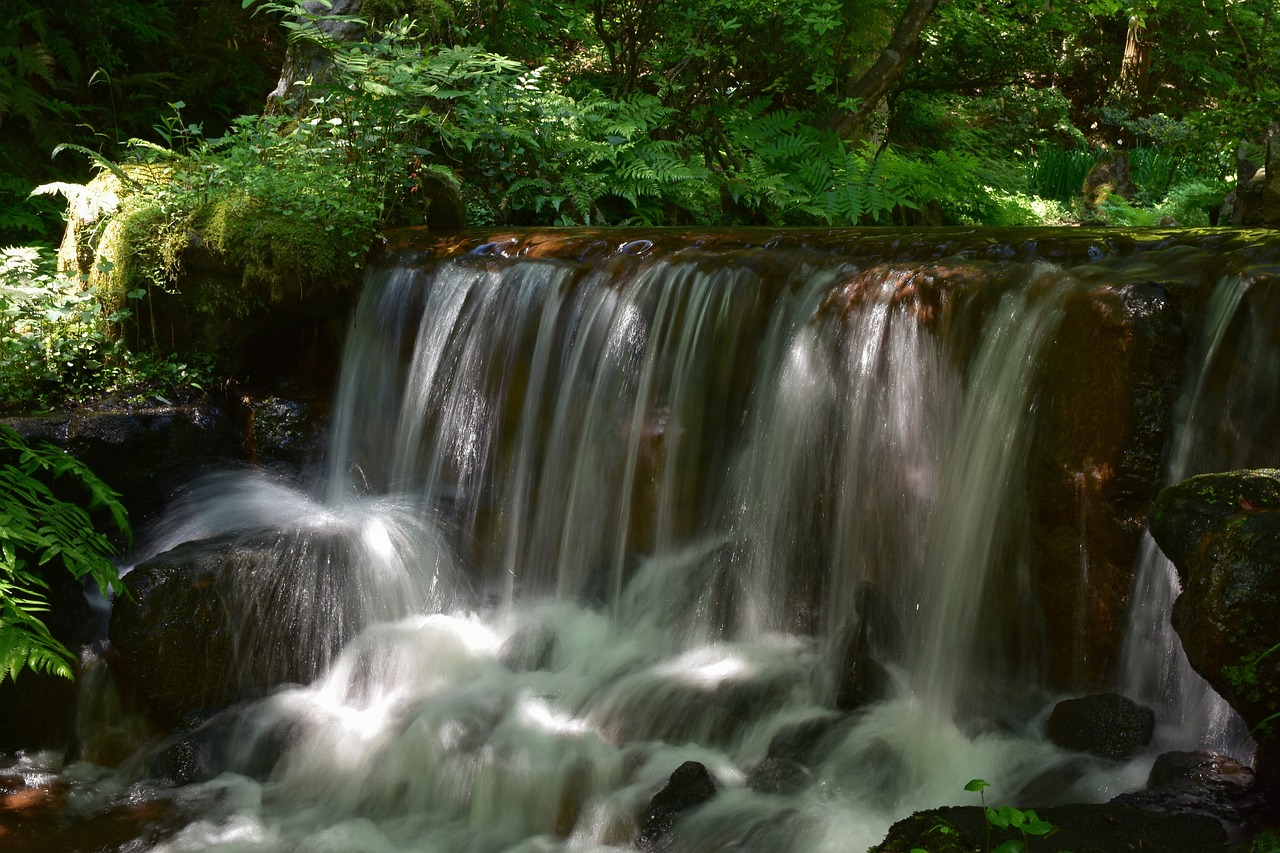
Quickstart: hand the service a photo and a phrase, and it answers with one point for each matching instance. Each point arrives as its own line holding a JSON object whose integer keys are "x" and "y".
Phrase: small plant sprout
{"x": 1025, "y": 821}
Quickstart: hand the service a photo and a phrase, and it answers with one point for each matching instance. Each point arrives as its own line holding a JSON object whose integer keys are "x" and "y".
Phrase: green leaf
{"x": 1013, "y": 845}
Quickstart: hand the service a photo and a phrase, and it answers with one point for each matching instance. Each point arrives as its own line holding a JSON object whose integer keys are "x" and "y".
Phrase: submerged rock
{"x": 1107, "y": 725}
{"x": 793, "y": 756}
{"x": 875, "y": 640}
{"x": 689, "y": 786}
{"x": 1222, "y": 532}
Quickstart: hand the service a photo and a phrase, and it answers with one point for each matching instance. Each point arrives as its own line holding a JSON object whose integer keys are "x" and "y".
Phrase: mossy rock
{"x": 231, "y": 277}
{"x": 1222, "y": 531}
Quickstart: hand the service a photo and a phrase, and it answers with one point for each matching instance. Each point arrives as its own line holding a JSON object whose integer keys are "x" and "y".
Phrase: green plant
{"x": 1267, "y": 841}
{"x": 1059, "y": 173}
{"x": 61, "y": 341}
{"x": 1025, "y": 821}
{"x": 39, "y": 528}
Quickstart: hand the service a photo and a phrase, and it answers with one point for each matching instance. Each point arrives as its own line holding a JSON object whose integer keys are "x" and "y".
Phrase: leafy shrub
{"x": 1058, "y": 173}
{"x": 59, "y": 343}
{"x": 39, "y": 528}
{"x": 1189, "y": 204}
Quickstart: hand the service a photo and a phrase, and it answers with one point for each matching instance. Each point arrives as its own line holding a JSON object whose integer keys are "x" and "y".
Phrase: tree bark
{"x": 876, "y": 82}
{"x": 1135, "y": 66}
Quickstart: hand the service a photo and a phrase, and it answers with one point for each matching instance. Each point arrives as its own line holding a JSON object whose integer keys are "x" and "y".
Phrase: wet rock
{"x": 529, "y": 649}
{"x": 874, "y": 640}
{"x": 1202, "y": 783}
{"x": 789, "y": 764}
{"x": 226, "y": 741}
{"x": 1111, "y": 384}
{"x": 140, "y": 452}
{"x": 172, "y": 631}
{"x": 283, "y": 430}
{"x": 216, "y": 621}
{"x": 1222, "y": 532}
{"x": 1107, "y": 725}
{"x": 1104, "y": 828}
{"x": 690, "y": 785}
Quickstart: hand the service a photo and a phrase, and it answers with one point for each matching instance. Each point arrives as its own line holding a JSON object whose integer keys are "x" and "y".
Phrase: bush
{"x": 60, "y": 343}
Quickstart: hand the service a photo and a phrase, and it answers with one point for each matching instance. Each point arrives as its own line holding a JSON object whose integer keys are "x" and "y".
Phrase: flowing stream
{"x": 607, "y": 510}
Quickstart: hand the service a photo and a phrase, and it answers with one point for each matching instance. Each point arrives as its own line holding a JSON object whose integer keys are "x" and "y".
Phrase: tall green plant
{"x": 39, "y": 528}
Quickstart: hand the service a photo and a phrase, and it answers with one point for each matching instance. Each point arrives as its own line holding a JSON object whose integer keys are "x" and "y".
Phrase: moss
{"x": 138, "y": 249}
{"x": 281, "y": 256}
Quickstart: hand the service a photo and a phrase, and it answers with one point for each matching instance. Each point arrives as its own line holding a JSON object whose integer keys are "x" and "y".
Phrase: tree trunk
{"x": 870, "y": 89}
{"x": 306, "y": 61}
{"x": 1135, "y": 66}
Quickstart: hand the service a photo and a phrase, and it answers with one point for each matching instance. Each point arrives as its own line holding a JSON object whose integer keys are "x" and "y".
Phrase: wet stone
{"x": 689, "y": 786}
{"x": 1107, "y": 725}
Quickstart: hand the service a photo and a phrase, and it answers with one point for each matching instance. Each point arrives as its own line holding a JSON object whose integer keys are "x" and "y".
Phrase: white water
{"x": 604, "y": 525}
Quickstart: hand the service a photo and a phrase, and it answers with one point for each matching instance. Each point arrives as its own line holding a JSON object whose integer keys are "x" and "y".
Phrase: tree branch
{"x": 871, "y": 88}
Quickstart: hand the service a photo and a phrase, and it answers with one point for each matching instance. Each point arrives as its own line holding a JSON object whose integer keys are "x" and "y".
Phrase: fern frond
{"x": 98, "y": 159}
{"x": 25, "y": 641}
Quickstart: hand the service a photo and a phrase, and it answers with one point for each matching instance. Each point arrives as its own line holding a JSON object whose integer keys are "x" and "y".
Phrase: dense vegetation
{"x": 577, "y": 112}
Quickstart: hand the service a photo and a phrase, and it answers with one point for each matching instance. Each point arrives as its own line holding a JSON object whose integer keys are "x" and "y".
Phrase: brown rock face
{"x": 1111, "y": 383}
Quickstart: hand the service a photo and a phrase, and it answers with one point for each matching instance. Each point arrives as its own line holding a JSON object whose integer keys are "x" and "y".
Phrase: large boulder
{"x": 1107, "y": 725}
{"x": 1222, "y": 532}
{"x": 689, "y": 786}
{"x": 141, "y": 451}
{"x": 216, "y": 621}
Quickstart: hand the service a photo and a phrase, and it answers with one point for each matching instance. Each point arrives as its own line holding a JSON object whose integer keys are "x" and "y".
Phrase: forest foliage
{"x": 595, "y": 112}
{"x": 650, "y": 111}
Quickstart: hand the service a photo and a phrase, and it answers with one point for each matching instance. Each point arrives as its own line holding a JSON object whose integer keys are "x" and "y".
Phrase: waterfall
{"x": 593, "y": 507}
{"x": 1236, "y": 354}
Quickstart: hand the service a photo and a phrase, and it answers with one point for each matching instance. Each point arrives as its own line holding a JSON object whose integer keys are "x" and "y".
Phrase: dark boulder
{"x": 876, "y": 639}
{"x": 1104, "y": 828}
{"x": 172, "y": 631}
{"x": 1222, "y": 532}
{"x": 1203, "y": 783}
{"x": 220, "y": 620}
{"x": 690, "y": 785}
{"x": 1107, "y": 725}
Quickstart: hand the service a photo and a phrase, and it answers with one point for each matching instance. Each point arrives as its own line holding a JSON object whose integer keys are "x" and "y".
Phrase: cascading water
{"x": 616, "y": 508}
{"x": 1234, "y": 397}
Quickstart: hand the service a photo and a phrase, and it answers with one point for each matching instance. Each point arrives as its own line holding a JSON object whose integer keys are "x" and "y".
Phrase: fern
{"x": 99, "y": 160}
{"x": 36, "y": 528}
{"x": 25, "y": 640}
